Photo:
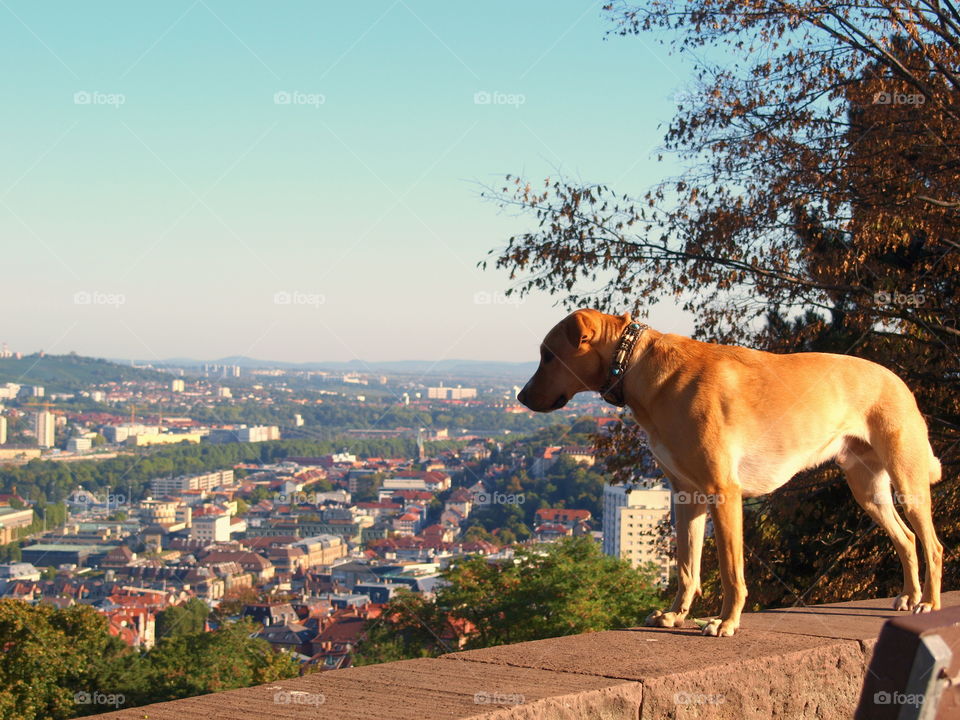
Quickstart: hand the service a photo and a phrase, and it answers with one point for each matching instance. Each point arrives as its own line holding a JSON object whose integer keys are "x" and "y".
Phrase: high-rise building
{"x": 206, "y": 481}
{"x": 630, "y": 522}
{"x": 46, "y": 429}
{"x": 176, "y": 386}
{"x": 448, "y": 393}
{"x": 3, "y": 430}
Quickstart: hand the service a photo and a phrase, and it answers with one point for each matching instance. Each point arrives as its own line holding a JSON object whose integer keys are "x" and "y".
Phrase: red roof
{"x": 562, "y": 515}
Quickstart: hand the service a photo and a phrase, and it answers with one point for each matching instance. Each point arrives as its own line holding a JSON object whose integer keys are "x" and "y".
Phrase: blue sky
{"x": 300, "y": 180}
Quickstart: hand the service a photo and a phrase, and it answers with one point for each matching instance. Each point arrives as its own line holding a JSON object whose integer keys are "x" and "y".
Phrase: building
{"x": 56, "y": 554}
{"x": 211, "y": 528}
{"x": 256, "y": 433}
{"x": 205, "y": 481}
{"x": 3, "y": 430}
{"x": 79, "y": 444}
{"x": 630, "y": 522}
{"x": 158, "y": 512}
{"x": 448, "y": 393}
{"x": 121, "y": 433}
{"x": 12, "y": 520}
{"x": 176, "y": 386}
{"x": 164, "y": 438}
{"x": 46, "y": 429}
{"x": 17, "y": 571}
{"x": 224, "y": 392}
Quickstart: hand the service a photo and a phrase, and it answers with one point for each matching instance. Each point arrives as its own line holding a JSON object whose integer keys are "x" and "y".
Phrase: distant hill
{"x": 66, "y": 373}
{"x": 425, "y": 368}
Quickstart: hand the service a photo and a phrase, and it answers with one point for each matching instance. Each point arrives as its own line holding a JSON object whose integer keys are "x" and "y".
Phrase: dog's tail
{"x": 935, "y": 469}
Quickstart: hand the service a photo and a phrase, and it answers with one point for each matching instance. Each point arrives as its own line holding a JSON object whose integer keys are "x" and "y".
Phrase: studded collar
{"x": 612, "y": 390}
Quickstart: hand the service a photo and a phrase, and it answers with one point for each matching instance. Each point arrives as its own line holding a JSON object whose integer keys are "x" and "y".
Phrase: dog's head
{"x": 573, "y": 358}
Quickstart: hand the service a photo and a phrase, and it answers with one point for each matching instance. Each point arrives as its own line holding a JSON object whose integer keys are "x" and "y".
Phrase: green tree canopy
{"x": 548, "y": 590}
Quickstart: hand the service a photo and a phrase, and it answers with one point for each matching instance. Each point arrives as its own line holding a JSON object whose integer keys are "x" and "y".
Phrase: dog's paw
{"x": 905, "y": 602}
{"x": 720, "y": 628}
{"x": 923, "y": 607}
{"x": 659, "y": 618}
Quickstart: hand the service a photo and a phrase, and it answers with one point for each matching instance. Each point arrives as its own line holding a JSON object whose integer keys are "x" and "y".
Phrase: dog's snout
{"x": 522, "y": 396}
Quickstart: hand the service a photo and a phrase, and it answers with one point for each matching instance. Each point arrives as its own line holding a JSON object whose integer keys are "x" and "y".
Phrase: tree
{"x": 187, "y": 619}
{"x": 549, "y": 590}
{"x": 817, "y": 211}
{"x": 55, "y": 658}
{"x": 185, "y": 665}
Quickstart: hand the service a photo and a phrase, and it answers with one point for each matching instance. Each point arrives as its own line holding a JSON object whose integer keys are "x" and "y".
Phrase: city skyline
{"x": 191, "y": 181}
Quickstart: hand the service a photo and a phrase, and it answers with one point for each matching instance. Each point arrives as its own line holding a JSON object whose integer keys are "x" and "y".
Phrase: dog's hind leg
{"x": 691, "y": 517}
{"x": 870, "y": 485}
{"x": 908, "y": 460}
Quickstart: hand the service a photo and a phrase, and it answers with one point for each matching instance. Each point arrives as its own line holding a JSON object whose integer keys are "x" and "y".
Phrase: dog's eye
{"x": 545, "y": 356}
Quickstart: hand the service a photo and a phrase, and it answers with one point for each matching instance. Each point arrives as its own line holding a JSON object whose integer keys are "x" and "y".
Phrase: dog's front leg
{"x": 691, "y": 518}
{"x": 726, "y": 509}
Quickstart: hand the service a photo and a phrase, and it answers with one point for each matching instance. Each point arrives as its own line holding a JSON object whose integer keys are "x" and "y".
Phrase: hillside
{"x": 445, "y": 368}
{"x": 67, "y": 373}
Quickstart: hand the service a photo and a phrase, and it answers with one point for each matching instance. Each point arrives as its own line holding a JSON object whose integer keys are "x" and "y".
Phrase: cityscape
{"x": 480, "y": 361}
{"x": 342, "y": 489}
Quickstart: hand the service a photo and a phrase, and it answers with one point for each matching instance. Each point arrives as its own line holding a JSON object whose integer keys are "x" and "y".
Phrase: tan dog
{"x": 726, "y": 423}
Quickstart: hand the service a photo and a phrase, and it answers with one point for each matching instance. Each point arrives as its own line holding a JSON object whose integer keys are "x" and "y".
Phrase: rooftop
{"x": 804, "y": 662}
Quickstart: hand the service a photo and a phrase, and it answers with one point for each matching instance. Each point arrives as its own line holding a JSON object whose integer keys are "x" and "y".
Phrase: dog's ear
{"x": 581, "y": 328}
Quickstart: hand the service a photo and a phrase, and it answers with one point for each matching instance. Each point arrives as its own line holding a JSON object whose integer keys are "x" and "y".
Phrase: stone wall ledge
{"x": 805, "y": 662}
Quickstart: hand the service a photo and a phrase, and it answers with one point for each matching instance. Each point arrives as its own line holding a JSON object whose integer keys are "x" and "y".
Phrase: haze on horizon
{"x": 207, "y": 179}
